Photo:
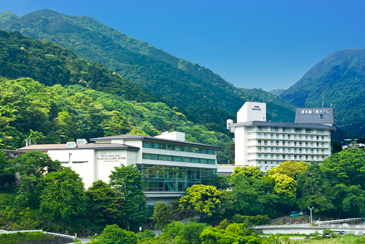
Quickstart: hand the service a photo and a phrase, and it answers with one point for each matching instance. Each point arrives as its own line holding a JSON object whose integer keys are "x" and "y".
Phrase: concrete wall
{"x": 252, "y": 111}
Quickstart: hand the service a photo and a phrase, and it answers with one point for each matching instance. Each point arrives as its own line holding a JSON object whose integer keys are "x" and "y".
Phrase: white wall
{"x": 252, "y": 111}
{"x": 85, "y": 170}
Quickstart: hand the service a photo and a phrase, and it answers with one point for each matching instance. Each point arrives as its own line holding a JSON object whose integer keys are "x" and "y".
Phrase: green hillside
{"x": 340, "y": 79}
{"x": 203, "y": 94}
{"x": 51, "y": 64}
{"x": 59, "y": 114}
{"x": 7, "y": 16}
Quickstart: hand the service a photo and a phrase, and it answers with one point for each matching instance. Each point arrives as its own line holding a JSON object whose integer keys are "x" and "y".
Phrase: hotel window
{"x": 266, "y": 135}
{"x": 295, "y": 144}
{"x": 289, "y": 143}
{"x": 322, "y": 138}
{"x": 322, "y": 144}
{"x": 259, "y": 155}
{"x": 259, "y": 141}
{"x": 259, "y": 135}
{"x": 289, "y": 149}
{"x": 272, "y": 156}
{"x": 274, "y": 129}
{"x": 283, "y": 143}
{"x": 317, "y": 137}
{"x": 265, "y": 162}
{"x": 271, "y": 149}
{"x": 277, "y": 163}
{"x": 265, "y": 155}
{"x": 297, "y": 130}
{"x": 283, "y": 136}
{"x": 272, "y": 136}
{"x": 322, "y": 150}
{"x": 295, "y": 156}
{"x": 277, "y": 149}
{"x": 265, "y": 142}
{"x": 271, "y": 142}
{"x": 306, "y": 144}
{"x": 265, "y": 149}
{"x": 306, "y": 137}
{"x": 308, "y": 130}
{"x": 288, "y": 136}
{"x": 311, "y": 137}
{"x": 277, "y": 136}
{"x": 259, "y": 162}
{"x": 277, "y": 143}
{"x": 283, "y": 149}
{"x": 306, "y": 157}
{"x": 295, "y": 150}
{"x": 300, "y": 144}
{"x": 300, "y": 137}
{"x": 283, "y": 156}
{"x": 277, "y": 156}
{"x": 259, "y": 149}
{"x": 300, "y": 150}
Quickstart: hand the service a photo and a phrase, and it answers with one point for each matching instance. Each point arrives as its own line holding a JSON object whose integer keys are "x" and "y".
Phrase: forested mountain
{"x": 7, "y": 16}
{"x": 59, "y": 114}
{"x": 340, "y": 79}
{"x": 205, "y": 95}
{"x": 51, "y": 64}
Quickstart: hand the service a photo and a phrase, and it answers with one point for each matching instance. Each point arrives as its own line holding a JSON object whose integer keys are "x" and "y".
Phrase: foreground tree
{"x": 63, "y": 195}
{"x": 112, "y": 234}
{"x": 205, "y": 200}
{"x": 251, "y": 196}
{"x": 31, "y": 167}
{"x": 289, "y": 168}
{"x": 7, "y": 174}
{"x": 251, "y": 172}
{"x": 105, "y": 204}
{"x": 161, "y": 215}
{"x": 128, "y": 181}
{"x": 285, "y": 188}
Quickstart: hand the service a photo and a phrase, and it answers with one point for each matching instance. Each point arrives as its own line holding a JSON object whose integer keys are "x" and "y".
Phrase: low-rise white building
{"x": 266, "y": 144}
{"x": 168, "y": 163}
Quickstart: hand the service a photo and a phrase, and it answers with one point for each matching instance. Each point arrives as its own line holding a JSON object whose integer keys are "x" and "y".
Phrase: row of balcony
{"x": 287, "y": 145}
{"x": 289, "y": 137}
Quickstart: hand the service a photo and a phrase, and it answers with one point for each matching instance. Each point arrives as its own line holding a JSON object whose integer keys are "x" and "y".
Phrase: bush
{"x": 24, "y": 236}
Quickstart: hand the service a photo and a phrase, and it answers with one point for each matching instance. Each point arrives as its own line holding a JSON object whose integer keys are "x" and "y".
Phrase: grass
{"x": 23, "y": 237}
{"x": 348, "y": 239}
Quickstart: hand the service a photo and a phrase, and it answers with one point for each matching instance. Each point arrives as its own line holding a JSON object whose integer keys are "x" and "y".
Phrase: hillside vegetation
{"x": 51, "y": 64}
{"x": 58, "y": 114}
{"x": 203, "y": 94}
{"x": 340, "y": 78}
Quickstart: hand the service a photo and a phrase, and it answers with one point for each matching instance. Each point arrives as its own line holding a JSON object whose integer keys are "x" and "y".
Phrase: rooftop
{"x": 148, "y": 138}
{"x": 87, "y": 146}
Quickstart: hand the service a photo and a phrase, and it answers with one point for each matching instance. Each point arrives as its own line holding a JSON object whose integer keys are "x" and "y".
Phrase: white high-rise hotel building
{"x": 267, "y": 144}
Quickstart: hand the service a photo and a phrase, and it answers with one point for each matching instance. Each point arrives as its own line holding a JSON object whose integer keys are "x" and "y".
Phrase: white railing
{"x": 45, "y": 232}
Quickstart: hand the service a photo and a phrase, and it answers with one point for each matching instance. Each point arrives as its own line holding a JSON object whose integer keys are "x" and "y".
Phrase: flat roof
{"x": 148, "y": 138}
{"x": 285, "y": 124}
{"x": 82, "y": 147}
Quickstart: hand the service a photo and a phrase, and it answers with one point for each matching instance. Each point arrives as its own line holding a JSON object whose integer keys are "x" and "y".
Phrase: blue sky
{"x": 266, "y": 44}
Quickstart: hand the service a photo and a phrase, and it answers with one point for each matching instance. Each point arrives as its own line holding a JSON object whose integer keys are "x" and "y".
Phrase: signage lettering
{"x": 256, "y": 108}
{"x": 110, "y": 158}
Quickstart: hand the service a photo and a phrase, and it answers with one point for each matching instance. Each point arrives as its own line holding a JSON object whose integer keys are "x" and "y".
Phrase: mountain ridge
{"x": 339, "y": 78}
{"x": 177, "y": 81}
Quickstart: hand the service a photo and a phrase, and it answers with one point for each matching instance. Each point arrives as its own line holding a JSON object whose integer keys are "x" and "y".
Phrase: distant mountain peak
{"x": 7, "y": 16}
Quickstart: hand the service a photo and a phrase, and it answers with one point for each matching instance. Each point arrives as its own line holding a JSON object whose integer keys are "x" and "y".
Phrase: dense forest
{"x": 51, "y": 64}
{"x": 192, "y": 87}
{"x": 338, "y": 79}
{"x": 58, "y": 114}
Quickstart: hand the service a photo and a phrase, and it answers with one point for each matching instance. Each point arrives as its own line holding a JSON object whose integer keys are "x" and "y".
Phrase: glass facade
{"x": 171, "y": 178}
{"x": 177, "y": 158}
{"x": 177, "y": 148}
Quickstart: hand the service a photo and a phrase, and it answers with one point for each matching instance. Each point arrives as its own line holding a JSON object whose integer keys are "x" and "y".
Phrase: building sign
{"x": 316, "y": 111}
{"x": 256, "y": 108}
{"x": 110, "y": 158}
